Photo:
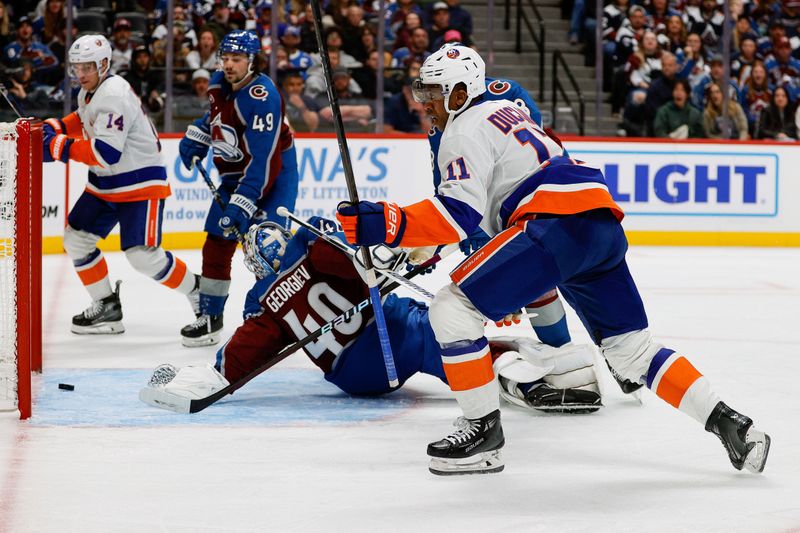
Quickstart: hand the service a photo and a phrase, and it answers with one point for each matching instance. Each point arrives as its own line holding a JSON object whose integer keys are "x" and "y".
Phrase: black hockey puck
{"x": 66, "y": 386}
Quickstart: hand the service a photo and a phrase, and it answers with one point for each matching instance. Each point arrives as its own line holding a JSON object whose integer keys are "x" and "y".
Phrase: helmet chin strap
{"x": 453, "y": 113}
{"x": 250, "y": 71}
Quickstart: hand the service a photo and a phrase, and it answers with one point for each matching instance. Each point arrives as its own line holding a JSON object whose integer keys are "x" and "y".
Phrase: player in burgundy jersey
{"x": 306, "y": 282}
{"x": 254, "y": 154}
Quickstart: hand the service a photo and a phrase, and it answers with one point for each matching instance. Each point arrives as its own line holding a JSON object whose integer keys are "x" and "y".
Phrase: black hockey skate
{"x": 205, "y": 331}
{"x": 194, "y": 297}
{"x": 628, "y": 387}
{"x": 544, "y": 397}
{"x": 474, "y": 448}
{"x": 103, "y": 317}
{"x": 747, "y": 448}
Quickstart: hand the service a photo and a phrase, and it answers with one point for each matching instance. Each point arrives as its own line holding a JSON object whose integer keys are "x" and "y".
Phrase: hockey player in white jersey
{"x": 127, "y": 186}
{"x": 553, "y": 222}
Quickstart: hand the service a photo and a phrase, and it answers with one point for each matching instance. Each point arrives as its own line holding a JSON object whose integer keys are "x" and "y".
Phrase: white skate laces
{"x": 201, "y": 321}
{"x": 465, "y": 430}
{"x": 93, "y": 310}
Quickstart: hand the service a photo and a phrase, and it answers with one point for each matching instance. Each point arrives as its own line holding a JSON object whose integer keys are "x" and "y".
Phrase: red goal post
{"x": 20, "y": 262}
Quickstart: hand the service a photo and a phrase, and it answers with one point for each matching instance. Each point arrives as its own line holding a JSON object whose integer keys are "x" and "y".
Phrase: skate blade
{"x": 482, "y": 463}
{"x": 571, "y": 409}
{"x": 103, "y": 328}
{"x": 757, "y": 457}
{"x": 206, "y": 340}
{"x": 636, "y": 396}
{"x": 158, "y": 397}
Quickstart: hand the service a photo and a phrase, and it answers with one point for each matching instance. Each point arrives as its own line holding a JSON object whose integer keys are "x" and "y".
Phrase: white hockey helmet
{"x": 91, "y": 49}
{"x": 447, "y": 67}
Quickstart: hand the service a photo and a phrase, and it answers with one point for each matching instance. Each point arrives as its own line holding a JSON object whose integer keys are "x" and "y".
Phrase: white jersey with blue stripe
{"x": 496, "y": 89}
{"x": 123, "y": 137}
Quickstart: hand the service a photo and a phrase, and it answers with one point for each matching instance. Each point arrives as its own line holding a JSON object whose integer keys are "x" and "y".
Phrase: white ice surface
{"x": 733, "y": 312}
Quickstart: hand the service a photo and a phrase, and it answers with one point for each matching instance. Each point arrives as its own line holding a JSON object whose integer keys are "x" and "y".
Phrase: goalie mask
{"x": 264, "y": 246}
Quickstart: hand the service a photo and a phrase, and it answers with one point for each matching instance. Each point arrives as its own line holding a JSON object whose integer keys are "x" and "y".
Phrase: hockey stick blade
{"x": 195, "y": 406}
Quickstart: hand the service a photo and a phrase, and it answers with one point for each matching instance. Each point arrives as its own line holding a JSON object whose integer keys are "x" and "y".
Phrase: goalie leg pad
{"x": 544, "y": 397}
{"x": 568, "y": 381}
{"x": 573, "y": 368}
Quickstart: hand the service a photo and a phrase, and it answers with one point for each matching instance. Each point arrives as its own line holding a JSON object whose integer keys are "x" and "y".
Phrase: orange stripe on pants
{"x": 676, "y": 381}
{"x": 152, "y": 223}
{"x": 479, "y": 257}
{"x": 94, "y": 274}
{"x": 178, "y": 273}
{"x": 469, "y": 374}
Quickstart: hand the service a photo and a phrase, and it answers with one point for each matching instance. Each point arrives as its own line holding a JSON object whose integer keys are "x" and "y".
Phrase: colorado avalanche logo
{"x": 225, "y": 141}
{"x": 499, "y": 87}
{"x": 258, "y": 92}
{"x": 453, "y": 53}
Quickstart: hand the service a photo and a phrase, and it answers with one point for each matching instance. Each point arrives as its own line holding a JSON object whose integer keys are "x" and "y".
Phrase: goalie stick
{"x": 195, "y": 406}
{"x": 349, "y": 178}
{"x": 283, "y": 212}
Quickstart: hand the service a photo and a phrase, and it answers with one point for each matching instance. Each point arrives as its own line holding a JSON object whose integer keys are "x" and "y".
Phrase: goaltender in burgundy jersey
{"x": 316, "y": 288}
{"x": 240, "y": 155}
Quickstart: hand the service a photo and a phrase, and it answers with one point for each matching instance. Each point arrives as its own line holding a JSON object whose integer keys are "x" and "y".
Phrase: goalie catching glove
{"x": 173, "y": 389}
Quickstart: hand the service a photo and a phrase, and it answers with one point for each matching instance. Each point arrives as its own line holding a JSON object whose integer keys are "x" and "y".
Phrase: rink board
{"x": 687, "y": 193}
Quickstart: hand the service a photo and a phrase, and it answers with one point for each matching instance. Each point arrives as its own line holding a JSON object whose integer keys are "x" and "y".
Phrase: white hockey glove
{"x": 173, "y": 389}
{"x": 383, "y": 258}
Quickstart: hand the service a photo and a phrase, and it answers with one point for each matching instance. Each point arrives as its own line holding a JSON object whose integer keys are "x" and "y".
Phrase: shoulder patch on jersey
{"x": 499, "y": 87}
{"x": 258, "y": 92}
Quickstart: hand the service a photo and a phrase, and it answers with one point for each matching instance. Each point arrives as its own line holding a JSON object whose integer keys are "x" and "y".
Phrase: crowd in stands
{"x": 33, "y": 36}
{"x": 664, "y": 66}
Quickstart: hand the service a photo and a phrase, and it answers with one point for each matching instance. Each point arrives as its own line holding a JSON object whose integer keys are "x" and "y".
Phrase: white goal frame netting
{"x": 20, "y": 262}
{"x": 8, "y": 267}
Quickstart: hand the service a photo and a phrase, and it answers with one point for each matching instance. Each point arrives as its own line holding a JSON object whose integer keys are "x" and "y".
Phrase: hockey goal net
{"x": 20, "y": 262}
